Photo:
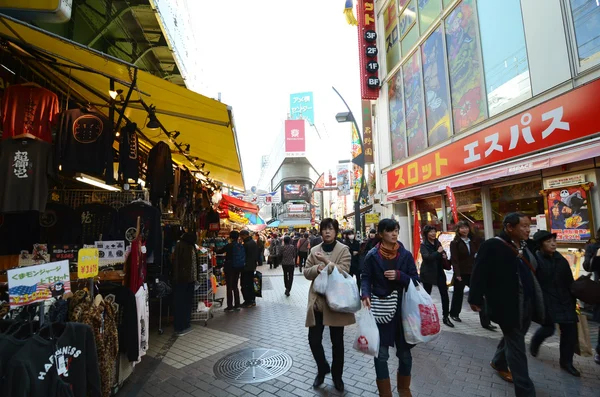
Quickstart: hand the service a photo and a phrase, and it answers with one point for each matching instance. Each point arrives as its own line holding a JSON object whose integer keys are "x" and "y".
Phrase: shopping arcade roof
{"x": 206, "y": 125}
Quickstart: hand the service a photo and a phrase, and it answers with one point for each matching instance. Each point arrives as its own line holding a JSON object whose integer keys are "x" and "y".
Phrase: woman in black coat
{"x": 555, "y": 278}
{"x": 387, "y": 270}
{"x": 432, "y": 269}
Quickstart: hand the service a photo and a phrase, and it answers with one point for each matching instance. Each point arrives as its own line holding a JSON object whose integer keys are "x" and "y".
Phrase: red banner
{"x": 569, "y": 117}
{"x": 367, "y": 50}
{"x": 295, "y": 138}
{"x": 452, "y": 201}
{"x": 416, "y": 232}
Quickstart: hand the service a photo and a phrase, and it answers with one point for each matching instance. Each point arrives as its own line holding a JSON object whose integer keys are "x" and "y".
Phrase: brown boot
{"x": 384, "y": 387}
{"x": 404, "y": 386}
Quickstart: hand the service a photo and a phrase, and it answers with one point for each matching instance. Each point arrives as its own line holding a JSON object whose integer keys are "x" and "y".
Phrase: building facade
{"x": 494, "y": 100}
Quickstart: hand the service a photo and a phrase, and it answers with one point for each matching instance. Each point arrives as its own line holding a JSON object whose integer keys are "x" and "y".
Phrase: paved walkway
{"x": 455, "y": 364}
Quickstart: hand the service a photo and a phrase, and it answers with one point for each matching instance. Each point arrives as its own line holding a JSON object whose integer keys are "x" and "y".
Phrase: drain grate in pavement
{"x": 252, "y": 365}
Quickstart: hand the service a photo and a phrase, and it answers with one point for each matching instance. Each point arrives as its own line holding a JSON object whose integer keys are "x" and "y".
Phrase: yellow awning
{"x": 205, "y": 124}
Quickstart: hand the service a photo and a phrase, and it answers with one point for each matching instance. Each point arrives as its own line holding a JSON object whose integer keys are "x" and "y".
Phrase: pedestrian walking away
{"x": 555, "y": 277}
{"x": 463, "y": 250}
{"x": 303, "y": 247}
{"x": 235, "y": 260}
{"x": 591, "y": 263}
{"x": 432, "y": 269}
{"x": 251, "y": 252}
{"x": 326, "y": 256}
{"x": 288, "y": 263}
{"x": 387, "y": 271}
{"x": 354, "y": 246}
{"x": 503, "y": 274}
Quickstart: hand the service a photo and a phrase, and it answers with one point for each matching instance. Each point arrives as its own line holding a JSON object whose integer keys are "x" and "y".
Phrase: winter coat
{"x": 251, "y": 251}
{"x": 340, "y": 258}
{"x": 591, "y": 264}
{"x": 353, "y": 246}
{"x": 555, "y": 277}
{"x": 289, "y": 253}
{"x": 183, "y": 266}
{"x": 373, "y": 282}
{"x": 432, "y": 269}
{"x": 462, "y": 260}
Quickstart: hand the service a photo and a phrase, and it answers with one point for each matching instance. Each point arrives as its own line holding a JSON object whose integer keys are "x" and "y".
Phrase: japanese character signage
{"x": 563, "y": 119}
{"x": 367, "y": 53}
{"x": 569, "y": 212}
{"x": 87, "y": 263}
{"x": 367, "y": 125}
{"x": 295, "y": 138}
{"x": 302, "y": 107}
{"x": 64, "y": 252}
{"x": 31, "y": 284}
{"x": 343, "y": 180}
{"x": 452, "y": 201}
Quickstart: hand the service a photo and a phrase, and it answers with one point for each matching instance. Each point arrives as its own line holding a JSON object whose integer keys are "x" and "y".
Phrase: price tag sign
{"x": 87, "y": 264}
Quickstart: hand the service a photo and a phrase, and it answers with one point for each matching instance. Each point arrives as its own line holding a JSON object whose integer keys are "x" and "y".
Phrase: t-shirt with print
{"x": 25, "y": 168}
{"x": 94, "y": 220}
{"x": 143, "y": 313}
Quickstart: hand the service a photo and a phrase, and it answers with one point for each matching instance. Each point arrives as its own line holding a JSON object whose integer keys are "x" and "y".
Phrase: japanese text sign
{"x": 64, "y": 252}
{"x": 371, "y": 218}
{"x": 367, "y": 50}
{"x": 295, "y": 138}
{"x": 302, "y": 107}
{"x": 560, "y": 120}
{"x": 367, "y": 125}
{"x": 27, "y": 285}
{"x": 87, "y": 264}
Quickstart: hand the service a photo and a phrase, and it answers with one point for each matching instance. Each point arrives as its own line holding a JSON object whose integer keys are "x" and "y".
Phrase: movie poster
{"x": 569, "y": 213}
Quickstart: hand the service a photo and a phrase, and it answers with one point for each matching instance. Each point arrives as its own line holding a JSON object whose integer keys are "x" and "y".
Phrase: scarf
{"x": 388, "y": 253}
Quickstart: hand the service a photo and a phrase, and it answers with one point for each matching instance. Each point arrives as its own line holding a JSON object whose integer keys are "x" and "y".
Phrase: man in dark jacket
{"x": 184, "y": 277}
{"x": 232, "y": 274}
{"x": 251, "y": 249}
{"x": 354, "y": 246}
{"x": 503, "y": 274}
{"x": 592, "y": 264}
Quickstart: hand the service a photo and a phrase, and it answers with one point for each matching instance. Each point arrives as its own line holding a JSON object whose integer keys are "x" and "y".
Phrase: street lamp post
{"x": 358, "y": 160}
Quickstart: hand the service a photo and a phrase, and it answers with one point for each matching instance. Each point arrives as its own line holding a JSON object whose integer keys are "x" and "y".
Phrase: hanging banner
{"x": 343, "y": 180}
{"x": 367, "y": 125}
{"x": 27, "y": 285}
{"x": 452, "y": 201}
{"x": 416, "y": 232}
{"x": 367, "y": 50}
{"x": 357, "y": 175}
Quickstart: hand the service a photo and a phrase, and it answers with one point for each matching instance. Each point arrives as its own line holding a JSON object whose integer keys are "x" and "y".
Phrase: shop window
{"x": 469, "y": 208}
{"x": 464, "y": 64}
{"x": 414, "y": 105}
{"x": 520, "y": 197}
{"x": 436, "y": 88}
{"x": 409, "y": 34}
{"x": 505, "y": 64}
{"x": 392, "y": 43}
{"x": 586, "y": 19}
{"x": 396, "y": 117}
{"x": 429, "y": 10}
{"x": 430, "y": 212}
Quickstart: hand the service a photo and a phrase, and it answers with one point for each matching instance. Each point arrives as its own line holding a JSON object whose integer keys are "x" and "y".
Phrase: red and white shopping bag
{"x": 420, "y": 317}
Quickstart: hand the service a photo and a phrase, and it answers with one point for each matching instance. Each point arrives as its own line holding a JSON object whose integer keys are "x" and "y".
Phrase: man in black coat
{"x": 251, "y": 249}
{"x": 592, "y": 264}
{"x": 504, "y": 275}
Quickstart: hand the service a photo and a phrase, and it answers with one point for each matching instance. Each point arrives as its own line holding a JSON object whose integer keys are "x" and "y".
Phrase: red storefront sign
{"x": 295, "y": 138}
{"x": 558, "y": 121}
{"x": 367, "y": 50}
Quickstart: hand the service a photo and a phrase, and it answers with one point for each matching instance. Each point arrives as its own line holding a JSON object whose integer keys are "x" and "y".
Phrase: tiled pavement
{"x": 455, "y": 364}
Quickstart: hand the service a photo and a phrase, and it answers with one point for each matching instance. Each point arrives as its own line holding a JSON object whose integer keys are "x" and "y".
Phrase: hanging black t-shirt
{"x": 57, "y": 224}
{"x": 128, "y": 154}
{"x": 44, "y": 367}
{"x": 95, "y": 220}
{"x": 25, "y": 168}
{"x": 149, "y": 224}
{"x": 19, "y": 232}
{"x": 127, "y": 319}
{"x": 85, "y": 143}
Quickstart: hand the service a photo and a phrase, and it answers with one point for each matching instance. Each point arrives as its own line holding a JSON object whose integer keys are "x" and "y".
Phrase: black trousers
{"x": 248, "y": 286}
{"x": 288, "y": 276}
{"x": 303, "y": 256}
{"x": 511, "y": 354}
{"x": 568, "y": 339}
{"x": 443, "y": 288}
{"x": 315, "y": 340}
{"x": 232, "y": 279}
{"x": 183, "y": 296}
{"x": 457, "y": 300}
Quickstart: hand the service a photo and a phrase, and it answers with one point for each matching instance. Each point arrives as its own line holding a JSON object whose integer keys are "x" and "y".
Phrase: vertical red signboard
{"x": 367, "y": 50}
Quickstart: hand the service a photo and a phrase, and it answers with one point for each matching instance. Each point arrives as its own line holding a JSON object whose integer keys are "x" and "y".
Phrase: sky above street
{"x": 258, "y": 53}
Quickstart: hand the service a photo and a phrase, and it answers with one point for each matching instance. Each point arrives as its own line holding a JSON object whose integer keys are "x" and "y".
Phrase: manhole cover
{"x": 252, "y": 366}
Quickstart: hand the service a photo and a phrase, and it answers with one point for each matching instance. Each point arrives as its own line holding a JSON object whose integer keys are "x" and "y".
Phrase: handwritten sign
{"x": 87, "y": 264}
{"x": 38, "y": 283}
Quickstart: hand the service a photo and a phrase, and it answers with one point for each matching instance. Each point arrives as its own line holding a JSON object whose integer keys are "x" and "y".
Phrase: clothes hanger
{"x": 31, "y": 84}
{"x": 25, "y": 135}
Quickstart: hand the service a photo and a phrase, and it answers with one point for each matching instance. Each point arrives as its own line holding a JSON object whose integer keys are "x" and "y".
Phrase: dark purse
{"x": 446, "y": 264}
{"x": 587, "y": 290}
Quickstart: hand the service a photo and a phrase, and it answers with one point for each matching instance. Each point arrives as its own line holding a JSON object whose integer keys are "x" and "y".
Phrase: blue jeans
{"x": 381, "y": 362}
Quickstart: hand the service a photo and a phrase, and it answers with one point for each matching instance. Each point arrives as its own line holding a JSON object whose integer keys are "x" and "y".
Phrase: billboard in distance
{"x": 302, "y": 107}
{"x": 295, "y": 138}
{"x": 296, "y": 191}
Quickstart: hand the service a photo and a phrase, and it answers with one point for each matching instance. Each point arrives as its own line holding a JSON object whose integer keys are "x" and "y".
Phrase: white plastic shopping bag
{"x": 367, "y": 334}
{"x": 342, "y": 292}
{"x": 419, "y": 315}
{"x": 320, "y": 283}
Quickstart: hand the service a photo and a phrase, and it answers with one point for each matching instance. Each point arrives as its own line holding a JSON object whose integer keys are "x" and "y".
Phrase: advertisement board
{"x": 295, "y": 138}
{"x": 569, "y": 213}
{"x": 302, "y": 107}
{"x": 343, "y": 180}
{"x": 31, "y": 284}
{"x": 296, "y": 191}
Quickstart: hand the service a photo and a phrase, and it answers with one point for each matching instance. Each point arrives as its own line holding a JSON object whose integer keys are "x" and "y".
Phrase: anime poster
{"x": 464, "y": 63}
{"x": 436, "y": 88}
{"x": 413, "y": 101}
{"x": 429, "y": 10}
{"x": 392, "y": 44}
{"x": 397, "y": 121}
{"x": 569, "y": 213}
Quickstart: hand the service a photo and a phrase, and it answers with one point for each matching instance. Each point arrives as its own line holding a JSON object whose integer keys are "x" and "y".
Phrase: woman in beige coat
{"x": 324, "y": 257}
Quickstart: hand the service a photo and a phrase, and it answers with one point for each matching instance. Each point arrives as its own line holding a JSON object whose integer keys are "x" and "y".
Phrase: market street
{"x": 455, "y": 364}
